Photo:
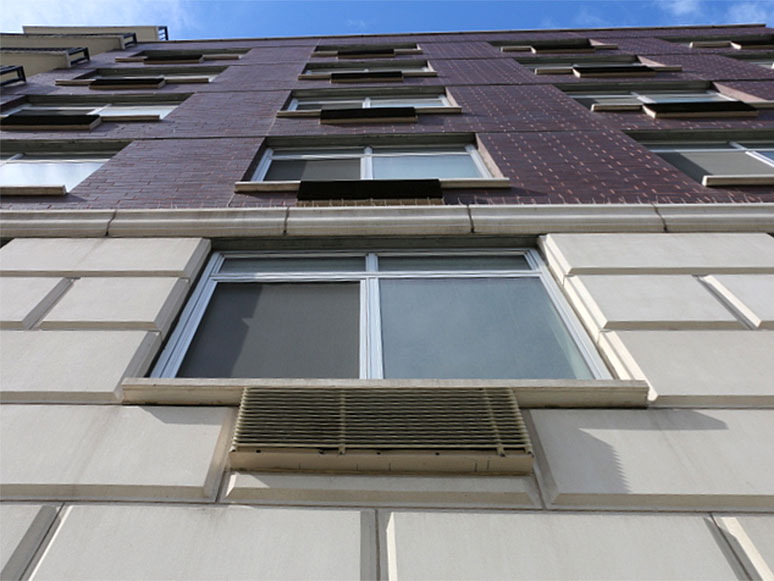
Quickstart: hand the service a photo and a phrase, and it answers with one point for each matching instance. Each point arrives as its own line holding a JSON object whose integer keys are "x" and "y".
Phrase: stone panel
{"x": 532, "y": 545}
{"x": 656, "y": 458}
{"x": 150, "y": 303}
{"x": 207, "y": 542}
{"x": 23, "y": 300}
{"x": 104, "y": 256}
{"x": 696, "y": 367}
{"x": 72, "y": 366}
{"x": 112, "y": 452}
{"x": 752, "y": 295}
{"x": 24, "y": 526}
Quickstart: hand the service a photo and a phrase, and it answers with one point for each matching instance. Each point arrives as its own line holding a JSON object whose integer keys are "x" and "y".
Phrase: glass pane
{"x": 608, "y": 100}
{"x": 767, "y": 154}
{"x": 54, "y": 173}
{"x": 475, "y": 328}
{"x": 173, "y": 76}
{"x": 697, "y": 164}
{"x": 448, "y": 263}
{"x": 678, "y": 97}
{"x": 120, "y": 110}
{"x": 339, "y": 264}
{"x": 758, "y": 145}
{"x": 313, "y": 169}
{"x": 277, "y": 330}
{"x": 417, "y": 102}
{"x": 425, "y": 166}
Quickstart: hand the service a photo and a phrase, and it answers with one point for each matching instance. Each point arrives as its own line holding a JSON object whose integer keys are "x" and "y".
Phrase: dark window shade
{"x": 277, "y": 330}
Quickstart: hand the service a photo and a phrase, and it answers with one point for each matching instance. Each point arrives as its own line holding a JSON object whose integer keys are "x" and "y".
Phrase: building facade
{"x": 471, "y": 305}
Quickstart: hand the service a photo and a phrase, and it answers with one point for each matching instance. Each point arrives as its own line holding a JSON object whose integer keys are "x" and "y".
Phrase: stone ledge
{"x": 54, "y": 223}
{"x": 530, "y": 393}
{"x": 211, "y": 223}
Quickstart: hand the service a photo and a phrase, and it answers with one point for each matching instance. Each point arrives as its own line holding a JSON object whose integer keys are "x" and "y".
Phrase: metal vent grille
{"x": 381, "y": 429}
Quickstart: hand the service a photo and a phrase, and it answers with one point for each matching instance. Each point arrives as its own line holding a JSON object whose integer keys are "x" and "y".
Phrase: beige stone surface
{"x": 23, "y": 300}
{"x": 751, "y": 294}
{"x": 119, "y": 303}
{"x": 656, "y": 458}
{"x": 112, "y": 452}
{"x": 704, "y": 253}
{"x": 439, "y": 491}
{"x": 647, "y": 302}
{"x": 379, "y": 221}
{"x": 22, "y": 528}
{"x": 181, "y": 257}
{"x": 697, "y": 367}
{"x": 752, "y": 539}
{"x": 55, "y": 223}
{"x": 74, "y": 366}
{"x": 208, "y": 543}
{"x": 543, "y": 545}
{"x": 212, "y": 223}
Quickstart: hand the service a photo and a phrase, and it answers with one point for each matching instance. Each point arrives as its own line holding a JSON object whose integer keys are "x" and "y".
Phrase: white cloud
{"x": 358, "y": 24}
{"x": 750, "y": 12}
{"x": 172, "y": 13}
{"x": 681, "y": 7}
{"x": 586, "y": 18}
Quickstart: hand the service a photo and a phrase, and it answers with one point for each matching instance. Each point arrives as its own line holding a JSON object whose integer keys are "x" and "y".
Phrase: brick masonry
{"x": 552, "y": 149}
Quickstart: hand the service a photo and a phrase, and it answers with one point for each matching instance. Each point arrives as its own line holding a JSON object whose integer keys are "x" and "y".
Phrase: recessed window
{"x": 554, "y": 45}
{"x": 11, "y": 74}
{"x": 366, "y": 163}
{"x": 662, "y": 103}
{"x": 183, "y": 56}
{"x": 376, "y": 71}
{"x": 143, "y": 78}
{"x": 488, "y": 315}
{"x": 419, "y": 101}
{"x": 747, "y": 42}
{"x": 721, "y": 163}
{"x": 46, "y": 173}
{"x": 63, "y": 115}
{"x": 596, "y": 67}
{"x": 360, "y": 51}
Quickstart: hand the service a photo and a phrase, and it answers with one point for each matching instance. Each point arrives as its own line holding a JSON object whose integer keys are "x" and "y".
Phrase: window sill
{"x": 530, "y": 393}
{"x": 32, "y": 191}
{"x": 737, "y": 180}
{"x": 446, "y": 183}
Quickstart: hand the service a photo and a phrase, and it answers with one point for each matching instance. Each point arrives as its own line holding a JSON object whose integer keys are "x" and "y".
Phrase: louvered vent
{"x": 477, "y": 430}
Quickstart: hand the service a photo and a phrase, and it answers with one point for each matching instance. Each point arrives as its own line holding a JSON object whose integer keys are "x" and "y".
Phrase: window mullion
{"x": 367, "y": 164}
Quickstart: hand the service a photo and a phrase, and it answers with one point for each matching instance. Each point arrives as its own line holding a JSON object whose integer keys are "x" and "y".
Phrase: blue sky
{"x": 260, "y": 18}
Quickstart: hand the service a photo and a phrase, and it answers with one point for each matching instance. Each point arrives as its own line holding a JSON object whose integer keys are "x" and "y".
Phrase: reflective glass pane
{"x": 265, "y": 264}
{"x": 277, "y": 330}
{"x": 449, "y": 263}
{"x": 475, "y": 328}
{"x": 122, "y": 110}
{"x": 758, "y": 145}
{"x": 697, "y": 164}
{"x": 678, "y": 97}
{"x": 425, "y": 166}
{"x": 417, "y": 102}
{"x": 53, "y": 173}
{"x": 767, "y": 154}
{"x": 313, "y": 169}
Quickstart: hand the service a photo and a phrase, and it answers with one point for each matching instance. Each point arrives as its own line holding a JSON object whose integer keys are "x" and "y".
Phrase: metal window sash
{"x": 370, "y": 343}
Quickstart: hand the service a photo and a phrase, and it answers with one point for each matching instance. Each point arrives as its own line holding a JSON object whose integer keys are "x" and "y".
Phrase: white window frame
{"x": 723, "y": 180}
{"x": 366, "y": 155}
{"x": 633, "y": 100}
{"x": 47, "y": 157}
{"x": 365, "y": 101}
{"x": 370, "y": 337}
{"x": 88, "y": 109}
{"x": 406, "y": 67}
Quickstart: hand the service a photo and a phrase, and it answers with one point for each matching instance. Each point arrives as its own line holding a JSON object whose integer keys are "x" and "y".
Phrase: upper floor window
{"x": 663, "y": 103}
{"x": 751, "y": 42}
{"x": 418, "y": 101}
{"x": 596, "y": 67}
{"x": 361, "y": 51}
{"x": 75, "y": 115}
{"x": 367, "y": 71}
{"x": 10, "y": 74}
{"x": 721, "y": 163}
{"x": 46, "y": 173}
{"x": 183, "y": 56}
{"x": 573, "y": 45}
{"x": 457, "y": 315}
{"x": 142, "y": 78}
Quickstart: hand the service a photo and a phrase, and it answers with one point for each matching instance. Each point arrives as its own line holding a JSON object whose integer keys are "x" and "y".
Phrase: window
{"x": 64, "y": 115}
{"x": 478, "y": 314}
{"x": 142, "y": 78}
{"x": 752, "y": 42}
{"x": 555, "y": 45}
{"x": 359, "y": 51}
{"x": 596, "y": 67}
{"x": 663, "y": 103}
{"x": 721, "y": 163}
{"x": 181, "y": 56}
{"x": 10, "y": 74}
{"x": 46, "y": 173}
{"x": 365, "y": 71}
{"x": 418, "y": 101}
{"x": 372, "y": 163}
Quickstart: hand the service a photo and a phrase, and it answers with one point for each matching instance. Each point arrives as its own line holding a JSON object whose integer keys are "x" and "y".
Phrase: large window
{"x": 419, "y": 101}
{"x": 667, "y": 103}
{"x": 377, "y": 163}
{"x": 488, "y": 315}
{"x": 721, "y": 163}
{"x": 108, "y": 112}
{"x": 47, "y": 173}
